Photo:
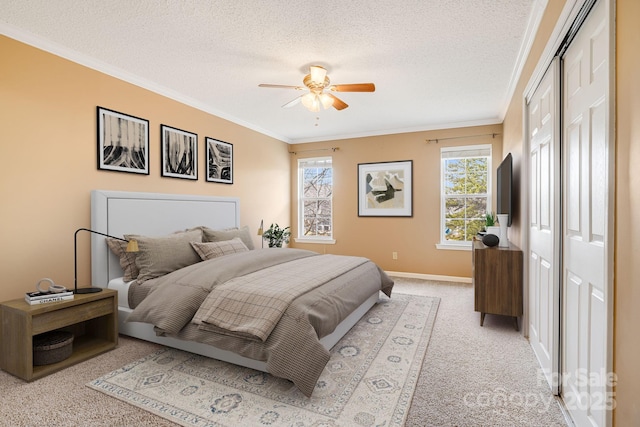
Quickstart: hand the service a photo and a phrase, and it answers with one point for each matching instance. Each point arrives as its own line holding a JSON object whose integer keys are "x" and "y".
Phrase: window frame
{"x": 466, "y": 151}
{"x": 302, "y": 163}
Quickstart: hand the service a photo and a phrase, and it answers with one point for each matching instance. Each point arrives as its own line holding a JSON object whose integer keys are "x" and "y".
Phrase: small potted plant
{"x": 276, "y": 236}
{"x": 490, "y": 224}
{"x": 490, "y": 219}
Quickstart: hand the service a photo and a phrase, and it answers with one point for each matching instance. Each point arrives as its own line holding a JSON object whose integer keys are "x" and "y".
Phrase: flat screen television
{"x": 504, "y": 178}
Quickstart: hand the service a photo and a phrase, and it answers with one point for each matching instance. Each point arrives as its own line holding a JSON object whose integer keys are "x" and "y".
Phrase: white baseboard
{"x": 429, "y": 277}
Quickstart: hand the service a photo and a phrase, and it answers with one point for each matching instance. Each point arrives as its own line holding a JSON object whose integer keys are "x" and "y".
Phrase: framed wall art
{"x": 385, "y": 189}
{"x": 179, "y": 153}
{"x": 123, "y": 142}
{"x": 219, "y": 161}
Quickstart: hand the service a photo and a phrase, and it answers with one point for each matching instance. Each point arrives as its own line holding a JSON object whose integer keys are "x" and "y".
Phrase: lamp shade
{"x": 311, "y": 102}
{"x": 318, "y": 74}
{"x": 327, "y": 100}
{"x": 132, "y": 246}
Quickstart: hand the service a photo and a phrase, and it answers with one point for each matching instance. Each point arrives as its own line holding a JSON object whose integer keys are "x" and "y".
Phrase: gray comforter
{"x": 292, "y": 349}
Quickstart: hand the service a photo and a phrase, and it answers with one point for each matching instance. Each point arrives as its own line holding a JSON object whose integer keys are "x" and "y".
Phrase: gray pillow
{"x": 158, "y": 256}
{"x": 210, "y": 235}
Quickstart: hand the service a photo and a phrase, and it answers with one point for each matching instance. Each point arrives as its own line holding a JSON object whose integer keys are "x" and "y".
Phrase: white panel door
{"x": 544, "y": 221}
{"x": 585, "y": 208}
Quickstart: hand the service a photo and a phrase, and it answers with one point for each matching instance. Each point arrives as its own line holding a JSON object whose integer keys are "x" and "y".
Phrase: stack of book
{"x": 44, "y": 297}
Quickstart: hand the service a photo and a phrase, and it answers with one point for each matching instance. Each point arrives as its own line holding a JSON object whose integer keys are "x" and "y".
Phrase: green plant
{"x": 490, "y": 219}
{"x": 276, "y": 235}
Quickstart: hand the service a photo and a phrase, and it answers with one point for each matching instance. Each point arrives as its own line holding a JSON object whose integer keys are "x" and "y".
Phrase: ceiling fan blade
{"x": 282, "y": 86}
{"x": 293, "y": 102}
{"x": 338, "y": 104}
{"x": 354, "y": 87}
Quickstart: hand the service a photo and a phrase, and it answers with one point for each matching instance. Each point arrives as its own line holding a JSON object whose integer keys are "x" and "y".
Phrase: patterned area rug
{"x": 369, "y": 380}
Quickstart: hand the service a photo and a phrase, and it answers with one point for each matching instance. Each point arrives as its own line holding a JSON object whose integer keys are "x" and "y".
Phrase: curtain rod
{"x": 437, "y": 140}
{"x": 334, "y": 149}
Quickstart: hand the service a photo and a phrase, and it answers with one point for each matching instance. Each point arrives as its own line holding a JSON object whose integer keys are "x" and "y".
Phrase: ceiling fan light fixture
{"x": 317, "y": 82}
{"x": 326, "y": 100}
{"x": 311, "y": 102}
{"x": 318, "y": 74}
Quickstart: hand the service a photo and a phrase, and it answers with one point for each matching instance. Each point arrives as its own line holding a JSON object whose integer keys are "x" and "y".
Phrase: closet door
{"x": 544, "y": 222}
{"x": 586, "y": 183}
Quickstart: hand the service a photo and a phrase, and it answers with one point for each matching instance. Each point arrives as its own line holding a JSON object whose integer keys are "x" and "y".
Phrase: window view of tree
{"x": 316, "y": 191}
{"x": 465, "y": 195}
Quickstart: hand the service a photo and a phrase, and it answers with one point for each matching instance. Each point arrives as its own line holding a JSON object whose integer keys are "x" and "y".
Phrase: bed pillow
{"x": 210, "y": 235}
{"x": 210, "y": 250}
{"x": 127, "y": 259}
{"x": 158, "y": 256}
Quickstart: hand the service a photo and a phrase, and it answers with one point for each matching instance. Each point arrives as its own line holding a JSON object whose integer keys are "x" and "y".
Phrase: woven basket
{"x": 52, "y": 347}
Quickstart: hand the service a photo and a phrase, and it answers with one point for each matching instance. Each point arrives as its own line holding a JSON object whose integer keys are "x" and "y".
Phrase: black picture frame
{"x": 179, "y": 153}
{"x": 219, "y": 161}
{"x": 385, "y": 189}
{"x": 123, "y": 142}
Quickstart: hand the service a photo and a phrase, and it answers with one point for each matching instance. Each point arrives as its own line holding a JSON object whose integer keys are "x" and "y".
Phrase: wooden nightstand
{"x": 92, "y": 318}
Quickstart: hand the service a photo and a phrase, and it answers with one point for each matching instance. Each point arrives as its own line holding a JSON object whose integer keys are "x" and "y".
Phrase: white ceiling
{"x": 435, "y": 63}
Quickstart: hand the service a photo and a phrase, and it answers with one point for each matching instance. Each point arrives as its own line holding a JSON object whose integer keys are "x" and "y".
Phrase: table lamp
{"x": 261, "y": 232}
{"x": 132, "y": 246}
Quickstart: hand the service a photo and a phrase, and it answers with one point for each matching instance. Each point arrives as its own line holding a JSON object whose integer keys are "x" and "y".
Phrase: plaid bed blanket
{"x": 250, "y": 306}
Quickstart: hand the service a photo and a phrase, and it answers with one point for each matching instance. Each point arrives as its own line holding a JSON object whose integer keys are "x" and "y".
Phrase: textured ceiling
{"x": 435, "y": 63}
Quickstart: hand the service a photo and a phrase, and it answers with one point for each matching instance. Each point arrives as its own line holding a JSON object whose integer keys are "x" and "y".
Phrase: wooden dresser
{"x": 497, "y": 280}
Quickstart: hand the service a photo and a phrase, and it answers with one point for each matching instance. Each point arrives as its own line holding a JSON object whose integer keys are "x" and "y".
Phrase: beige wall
{"x": 512, "y": 125}
{"x": 48, "y": 154}
{"x": 627, "y": 216}
{"x": 414, "y": 238}
{"x": 627, "y": 198}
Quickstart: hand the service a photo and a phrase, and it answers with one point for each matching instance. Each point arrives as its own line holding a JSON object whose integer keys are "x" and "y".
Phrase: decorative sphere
{"x": 490, "y": 240}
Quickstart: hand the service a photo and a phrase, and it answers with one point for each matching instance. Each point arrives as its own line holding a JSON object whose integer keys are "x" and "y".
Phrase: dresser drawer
{"x": 71, "y": 315}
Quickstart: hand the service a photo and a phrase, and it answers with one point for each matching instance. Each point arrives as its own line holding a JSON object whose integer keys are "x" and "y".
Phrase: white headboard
{"x": 151, "y": 214}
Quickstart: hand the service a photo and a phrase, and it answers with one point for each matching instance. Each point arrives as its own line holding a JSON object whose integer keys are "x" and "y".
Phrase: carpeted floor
{"x": 476, "y": 375}
{"x": 471, "y": 376}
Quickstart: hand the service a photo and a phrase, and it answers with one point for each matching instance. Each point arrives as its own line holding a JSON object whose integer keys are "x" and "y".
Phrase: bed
{"x": 323, "y": 296}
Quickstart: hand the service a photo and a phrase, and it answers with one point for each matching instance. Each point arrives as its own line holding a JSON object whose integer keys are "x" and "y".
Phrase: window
{"x": 315, "y": 192}
{"x": 466, "y": 193}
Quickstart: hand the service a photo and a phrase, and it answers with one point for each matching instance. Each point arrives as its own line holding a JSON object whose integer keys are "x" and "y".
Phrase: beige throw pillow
{"x": 210, "y": 235}
{"x": 210, "y": 250}
{"x": 158, "y": 256}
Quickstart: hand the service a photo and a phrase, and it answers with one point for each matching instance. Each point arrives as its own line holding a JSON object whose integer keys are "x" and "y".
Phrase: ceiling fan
{"x": 317, "y": 82}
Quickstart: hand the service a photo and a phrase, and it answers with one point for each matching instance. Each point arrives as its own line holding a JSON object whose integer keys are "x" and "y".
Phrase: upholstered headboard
{"x": 151, "y": 214}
